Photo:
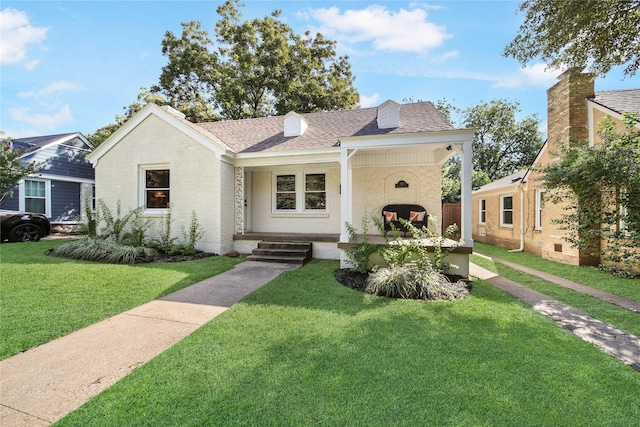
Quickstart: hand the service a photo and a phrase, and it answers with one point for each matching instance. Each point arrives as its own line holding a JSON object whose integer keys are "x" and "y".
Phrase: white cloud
{"x": 537, "y": 75}
{"x": 31, "y": 65}
{"x": 16, "y": 33}
{"x": 369, "y": 101}
{"x": 42, "y": 121}
{"x": 401, "y": 31}
{"x": 53, "y": 88}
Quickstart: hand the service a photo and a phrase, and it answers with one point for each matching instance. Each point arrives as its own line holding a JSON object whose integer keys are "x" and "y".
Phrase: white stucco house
{"x": 294, "y": 177}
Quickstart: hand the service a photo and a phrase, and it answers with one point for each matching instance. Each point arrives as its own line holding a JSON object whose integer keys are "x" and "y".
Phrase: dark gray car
{"x": 23, "y": 226}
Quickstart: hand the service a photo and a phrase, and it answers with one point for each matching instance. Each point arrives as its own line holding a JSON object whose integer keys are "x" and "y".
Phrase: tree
{"x": 451, "y": 186}
{"x": 502, "y": 145}
{"x": 12, "y": 170}
{"x": 256, "y": 68}
{"x": 604, "y": 182}
{"x": 598, "y": 34}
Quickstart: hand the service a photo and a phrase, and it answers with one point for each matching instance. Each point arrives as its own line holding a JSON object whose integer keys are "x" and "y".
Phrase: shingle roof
{"x": 36, "y": 142}
{"x": 507, "y": 181}
{"x": 620, "y": 101}
{"x": 267, "y": 133}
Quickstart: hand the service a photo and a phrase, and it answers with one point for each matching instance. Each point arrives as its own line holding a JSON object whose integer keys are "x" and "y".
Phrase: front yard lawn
{"x": 589, "y": 276}
{"x": 43, "y": 297}
{"x": 305, "y": 350}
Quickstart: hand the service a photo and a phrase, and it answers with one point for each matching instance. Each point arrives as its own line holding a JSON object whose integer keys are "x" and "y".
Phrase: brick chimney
{"x": 568, "y": 121}
{"x": 567, "y": 107}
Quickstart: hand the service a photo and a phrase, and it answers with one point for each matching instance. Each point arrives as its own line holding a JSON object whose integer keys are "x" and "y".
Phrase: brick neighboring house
{"x": 513, "y": 212}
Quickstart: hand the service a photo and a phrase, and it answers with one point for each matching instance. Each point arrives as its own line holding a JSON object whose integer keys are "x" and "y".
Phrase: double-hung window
{"x": 286, "y": 192}
{"x": 156, "y": 185}
{"x": 300, "y": 192}
{"x": 506, "y": 211}
{"x": 482, "y": 209}
{"x": 35, "y": 196}
{"x": 315, "y": 194}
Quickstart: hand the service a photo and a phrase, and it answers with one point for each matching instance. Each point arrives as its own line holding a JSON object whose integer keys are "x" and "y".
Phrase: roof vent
{"x": 294, "y": 124}
{"x": 173, "y": 111}
{"x": 389, "y": 115}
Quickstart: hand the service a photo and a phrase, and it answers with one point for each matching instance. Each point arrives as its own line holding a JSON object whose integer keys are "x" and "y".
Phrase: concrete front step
{"x": 282, "y": 252}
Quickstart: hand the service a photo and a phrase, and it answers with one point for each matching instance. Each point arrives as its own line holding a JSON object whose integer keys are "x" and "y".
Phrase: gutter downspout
{"x": 521, "y": 248}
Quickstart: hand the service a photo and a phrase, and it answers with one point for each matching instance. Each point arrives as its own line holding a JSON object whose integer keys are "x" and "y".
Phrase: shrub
{"x": 412, "y": 282}
{"x": 139, "y": 226}
{"x": 114, "y": 224}
{"x": 359, "y": 252}
{"x": 100, "y": 250}
{"x": 165, "y": 242}
{"x": 411, "y": 273}
{"x": 195, "y": 233}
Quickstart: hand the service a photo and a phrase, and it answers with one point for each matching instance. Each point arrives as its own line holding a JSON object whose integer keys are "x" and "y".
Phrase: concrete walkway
{"x": 587, "y": 290}
{"x": 45, "y": 383}
{"x": 611, "y": 340}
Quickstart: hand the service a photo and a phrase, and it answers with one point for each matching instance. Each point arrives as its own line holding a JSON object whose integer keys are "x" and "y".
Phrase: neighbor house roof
{"x": 34, "y": 143}
{"x": 620, "y": 101}
{"x": 266, "y": 134}
{"x": 508, "y": 181}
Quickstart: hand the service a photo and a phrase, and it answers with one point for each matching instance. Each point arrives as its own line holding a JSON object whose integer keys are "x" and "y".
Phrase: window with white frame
{"x": 506, "y": 211}
{"x": 315, "y": 194}
{"x": 482, "y": 219}
{"x": 300, "y": 192}
{"x": 538, "y": 208}
{"x": 34, "y": 195}
{"x": 156, "y": 185}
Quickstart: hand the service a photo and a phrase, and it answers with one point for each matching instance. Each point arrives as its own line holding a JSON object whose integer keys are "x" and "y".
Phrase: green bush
{"x": 411, "y": 273}
{"x": 359, "y": 252}
{"x": 100, "y": 250}
{"x": 412, "y": 282}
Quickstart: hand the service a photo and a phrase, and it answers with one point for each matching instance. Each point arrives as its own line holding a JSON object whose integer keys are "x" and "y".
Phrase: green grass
{"x": 43, "y": 297}
{"x": 304, "y": 350}
{"x": 590, "y": 276}
{"x": 607, "y": 312}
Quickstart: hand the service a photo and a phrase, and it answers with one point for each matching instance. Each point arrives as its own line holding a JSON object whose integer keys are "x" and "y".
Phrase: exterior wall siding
{"x": 63, "y": 161}
{"x": 195, "y": 176}
{"x": 65, "y": 202}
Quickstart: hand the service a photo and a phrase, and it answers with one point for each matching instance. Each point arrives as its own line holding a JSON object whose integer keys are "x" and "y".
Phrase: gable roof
{"x": 506, "y": 182}
{"x": 171, "y": 116}
{"x": 266, "y": 134}
{"x": 35, "y": 143}
{"x": 620, "y": 101}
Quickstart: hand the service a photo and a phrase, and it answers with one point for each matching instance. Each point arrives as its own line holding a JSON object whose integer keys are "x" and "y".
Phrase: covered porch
{"x": 362, "y": 175}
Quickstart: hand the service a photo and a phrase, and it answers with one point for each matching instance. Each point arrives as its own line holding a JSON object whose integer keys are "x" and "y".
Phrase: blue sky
{"x": 70, "y": 66}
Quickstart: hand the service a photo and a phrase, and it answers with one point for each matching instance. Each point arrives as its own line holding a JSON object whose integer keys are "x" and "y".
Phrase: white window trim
{"x": 538, "y": 209}
{"x": 47, "y": 195}
{"x": 502, "y": 210}
{"x": 480, "y": 211}
{"x": 300, "y": 193}
{"x": 142, "y": 191}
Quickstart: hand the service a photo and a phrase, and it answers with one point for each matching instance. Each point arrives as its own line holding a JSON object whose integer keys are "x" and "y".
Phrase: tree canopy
{"x": 254, "y": 68}
{"x": 251, "y": 68}
{"x": 596, "y": 34}
{"x": 502, "y": 145}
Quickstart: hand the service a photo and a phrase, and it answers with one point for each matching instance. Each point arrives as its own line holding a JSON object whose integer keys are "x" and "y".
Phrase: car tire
{"x": 25, "y": 233}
